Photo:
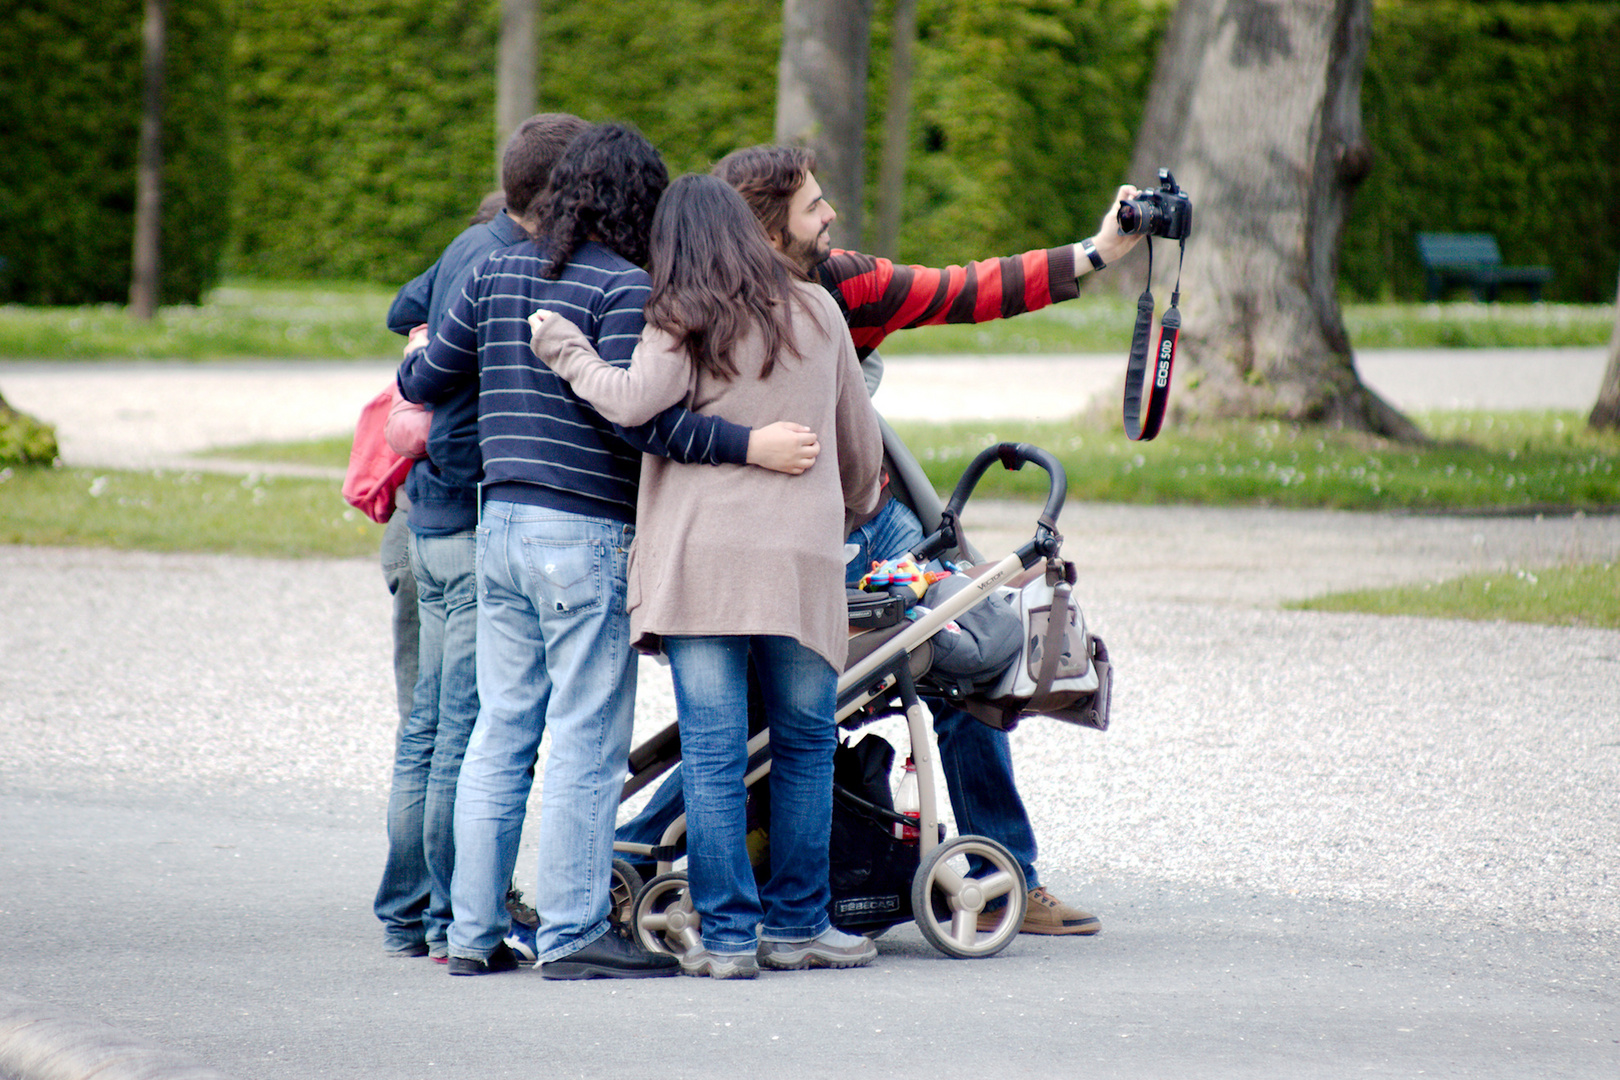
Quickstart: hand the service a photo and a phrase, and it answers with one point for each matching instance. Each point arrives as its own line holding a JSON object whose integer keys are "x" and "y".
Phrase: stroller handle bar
{"x": 1047, "y": 542}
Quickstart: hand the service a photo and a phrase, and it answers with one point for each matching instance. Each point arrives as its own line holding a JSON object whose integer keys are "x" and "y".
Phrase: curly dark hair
{"x": 605, "y": 188}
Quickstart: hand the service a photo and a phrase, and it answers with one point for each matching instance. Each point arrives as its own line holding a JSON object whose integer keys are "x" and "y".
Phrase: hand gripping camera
{"x": 1166, "y": 212}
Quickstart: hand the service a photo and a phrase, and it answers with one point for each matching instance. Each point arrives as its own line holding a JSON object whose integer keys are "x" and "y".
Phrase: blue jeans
{"x": 799, "y": 690}
{"x": 553, "y": 654}
{"x": 407, "y": 897}
{"x": 977, "y": 762}
{"x": 413, "y": 900}
{"x": 894, "y": 532}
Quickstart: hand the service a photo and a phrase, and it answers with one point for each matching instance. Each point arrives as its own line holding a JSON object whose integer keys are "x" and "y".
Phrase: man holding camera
{"x": 877, "y": 298}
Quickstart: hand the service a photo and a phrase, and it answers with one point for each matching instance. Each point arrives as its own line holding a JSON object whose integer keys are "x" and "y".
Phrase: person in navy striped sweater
{"x": 557, "y": 518}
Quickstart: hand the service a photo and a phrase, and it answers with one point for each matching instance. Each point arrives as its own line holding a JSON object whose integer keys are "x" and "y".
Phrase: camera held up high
{"x": 1166, "y": 212}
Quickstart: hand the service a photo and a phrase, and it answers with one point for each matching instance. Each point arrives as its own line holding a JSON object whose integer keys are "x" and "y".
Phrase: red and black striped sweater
{"x": 879, "y": 297}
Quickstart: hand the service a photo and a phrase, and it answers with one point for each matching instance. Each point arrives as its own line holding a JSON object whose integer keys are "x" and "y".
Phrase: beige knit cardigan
{"x": 736, "y": 549}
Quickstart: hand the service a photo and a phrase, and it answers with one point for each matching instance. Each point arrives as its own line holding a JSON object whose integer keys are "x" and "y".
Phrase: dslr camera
{"x": 1166, "y": 212}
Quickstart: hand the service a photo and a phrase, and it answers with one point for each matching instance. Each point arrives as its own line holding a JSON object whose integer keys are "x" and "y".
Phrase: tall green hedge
{"x": 698, "y": 79}
{"x": 366, "y": 129}
{"x": 363, "y": 127}
{"x": 70, "y": 78}
{"x": 364, "y": 133}
{"x": 1491, "y": 117}
{"x": 1022, "y": 122}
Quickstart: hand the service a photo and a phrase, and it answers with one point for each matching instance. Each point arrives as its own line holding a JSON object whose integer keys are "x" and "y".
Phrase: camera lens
{"x": 1129, "y": 217}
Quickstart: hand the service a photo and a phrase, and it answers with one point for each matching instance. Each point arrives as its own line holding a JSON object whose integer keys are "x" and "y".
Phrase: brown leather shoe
{"x": 1048, "y": 915}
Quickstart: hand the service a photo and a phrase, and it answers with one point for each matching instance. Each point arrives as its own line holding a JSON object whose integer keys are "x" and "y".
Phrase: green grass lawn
{"x": 335, "y": 320}
{"x": 1501, "y": 461}
{"x": 1586, "y": 595}
{"x": 1481, "y": 462}
{"x": 166, "y": 510}
{"x": 279, "y": 320}
{"x": 1521, "y": 461}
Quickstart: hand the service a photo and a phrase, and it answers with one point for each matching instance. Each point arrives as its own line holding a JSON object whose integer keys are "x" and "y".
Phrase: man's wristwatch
{"x": 1091, "y": 253}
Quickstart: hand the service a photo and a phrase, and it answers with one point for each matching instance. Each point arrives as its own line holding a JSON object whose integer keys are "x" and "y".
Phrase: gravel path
{"x": 135, "y": 668}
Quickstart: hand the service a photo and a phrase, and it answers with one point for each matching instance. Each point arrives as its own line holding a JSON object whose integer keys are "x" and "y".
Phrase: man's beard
{"x": 811, "y": 253}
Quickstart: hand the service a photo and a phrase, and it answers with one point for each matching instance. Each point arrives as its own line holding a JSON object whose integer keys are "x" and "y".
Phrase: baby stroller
{"x": 967, "y": 894}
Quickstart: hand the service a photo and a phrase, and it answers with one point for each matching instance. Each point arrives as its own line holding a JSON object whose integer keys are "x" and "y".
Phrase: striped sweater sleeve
{"x": 879, "y": 297}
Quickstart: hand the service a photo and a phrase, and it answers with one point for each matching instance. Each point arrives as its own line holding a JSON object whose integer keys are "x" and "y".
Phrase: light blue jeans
{"x": 799, "y": 689}
{"x": 427, "y": 758}
{"x": 553, "y": 654}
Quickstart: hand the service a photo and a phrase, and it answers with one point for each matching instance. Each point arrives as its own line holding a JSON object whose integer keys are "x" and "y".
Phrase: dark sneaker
{"x": 496, "y": 962}
{"x": 700, "y": 961}
{"x": 611, "y": 957}
{"x": 832, "y": 948}
{"x": 1047, "y": 915}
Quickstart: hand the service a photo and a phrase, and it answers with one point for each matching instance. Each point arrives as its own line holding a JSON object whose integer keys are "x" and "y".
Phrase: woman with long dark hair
{"x": 732, "y": 563}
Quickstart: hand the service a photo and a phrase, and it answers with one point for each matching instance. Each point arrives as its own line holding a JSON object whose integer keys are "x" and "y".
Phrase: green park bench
{"x": 1473, "y": 259}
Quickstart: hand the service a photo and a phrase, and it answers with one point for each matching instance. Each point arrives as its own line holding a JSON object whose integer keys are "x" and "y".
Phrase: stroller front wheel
{"x": 663, "y": 919}
{"x": 950, "y": 905}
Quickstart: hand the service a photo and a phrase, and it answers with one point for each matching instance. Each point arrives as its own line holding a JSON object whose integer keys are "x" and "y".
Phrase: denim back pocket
{"x": 567, "y": 576}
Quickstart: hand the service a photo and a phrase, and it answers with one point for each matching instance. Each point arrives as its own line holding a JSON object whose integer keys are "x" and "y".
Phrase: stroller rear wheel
{"x": 947, "y": 903}
{"x": 663, "y": 919}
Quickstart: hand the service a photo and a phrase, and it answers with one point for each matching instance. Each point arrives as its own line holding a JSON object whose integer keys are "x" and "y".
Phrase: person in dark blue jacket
{"x": 413, "y": 898}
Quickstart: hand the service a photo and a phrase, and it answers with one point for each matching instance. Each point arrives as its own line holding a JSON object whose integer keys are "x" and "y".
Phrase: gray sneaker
{"x": 832, "y": 948}
{"x": 700, "y": 961}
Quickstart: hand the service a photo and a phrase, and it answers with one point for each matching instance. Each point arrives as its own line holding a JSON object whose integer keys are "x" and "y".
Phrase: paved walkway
{"x": 1320, "y": 845}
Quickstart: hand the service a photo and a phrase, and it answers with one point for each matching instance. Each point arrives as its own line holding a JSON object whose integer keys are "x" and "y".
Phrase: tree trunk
{"x": 821, "y": 98}
{"x": 146, "y": 284}
{"x": 1606, "y": 413}
{"x": 896, "y": 130}
{"x": 1256, "y": 108}
{"x": 515, "y": 72}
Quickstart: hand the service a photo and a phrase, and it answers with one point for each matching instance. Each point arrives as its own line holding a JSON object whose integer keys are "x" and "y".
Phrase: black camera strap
{"x": 1158, "y": 394}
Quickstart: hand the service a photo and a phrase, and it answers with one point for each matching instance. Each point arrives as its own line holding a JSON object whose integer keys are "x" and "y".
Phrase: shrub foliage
{"x": 25, "y": 440}
{"x": 70, "y": 77}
